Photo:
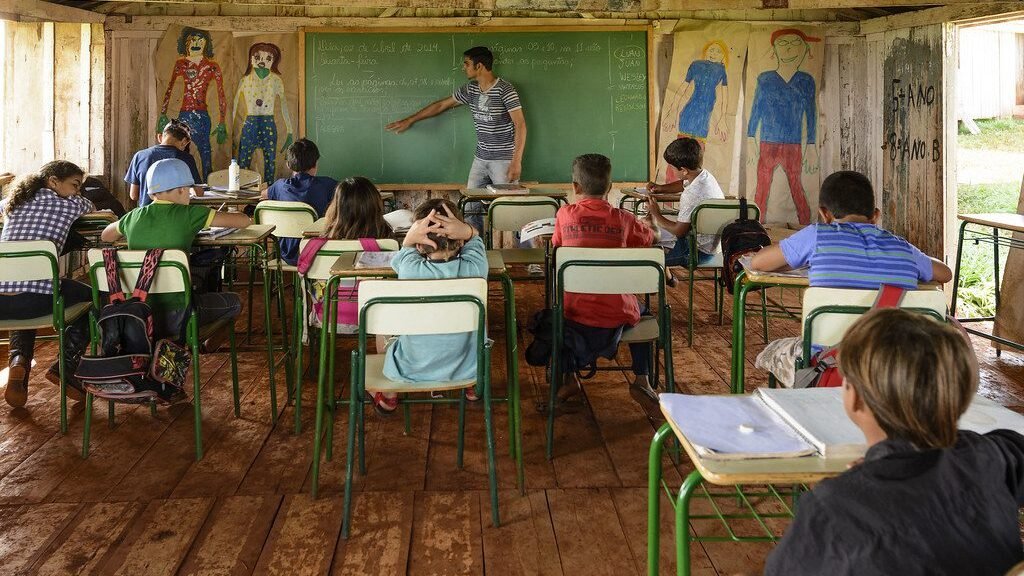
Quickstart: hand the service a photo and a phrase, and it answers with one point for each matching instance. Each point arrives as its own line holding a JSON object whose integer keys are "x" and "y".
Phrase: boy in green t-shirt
{"x": 169, "y": 222}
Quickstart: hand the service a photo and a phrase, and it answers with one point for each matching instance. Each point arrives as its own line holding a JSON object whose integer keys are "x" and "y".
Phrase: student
{"x": 357, "y": 212}
{"x": 303, "y": 186}
{"x": 43, "y": 206}
{"x": 171, "y": 223}
{"x": 926, "y": 499}
{"x": 591, "y": 222}
{"x": 845, "y": 250}
{"x": 695, "y": 184}
{"x": 438, "y": 245}
{"x": 174, "y": 142}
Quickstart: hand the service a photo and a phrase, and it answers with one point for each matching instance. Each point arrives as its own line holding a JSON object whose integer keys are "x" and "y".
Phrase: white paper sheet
{"x": 374, "y": 259}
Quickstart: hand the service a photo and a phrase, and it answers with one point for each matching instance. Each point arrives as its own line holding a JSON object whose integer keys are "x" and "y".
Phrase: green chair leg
{"x": 351, "y": 442}
{"x": 110, "y": 414}
{"x": 196, "y": 403}
{"x": 461, "y": 441}
{"x": 87, "y": 430}
{"x": 319, "y": 420}
{"x": 234, "y": 371}
{"x": 492, "y": 467}
{"x": 269, "y": 334}
{"x": 764, "y": 314}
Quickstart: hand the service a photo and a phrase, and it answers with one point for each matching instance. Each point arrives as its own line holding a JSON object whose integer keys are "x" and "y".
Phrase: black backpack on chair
{"x": 129, "y": 366}
{"x": 742, "y": 236}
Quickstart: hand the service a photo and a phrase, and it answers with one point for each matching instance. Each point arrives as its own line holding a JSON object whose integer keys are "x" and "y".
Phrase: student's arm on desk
{"x": 231, "y": 220}
{"x": 111, "y": 233}
{"x": 940, "y": 272}
{"x": 769, "y": 259}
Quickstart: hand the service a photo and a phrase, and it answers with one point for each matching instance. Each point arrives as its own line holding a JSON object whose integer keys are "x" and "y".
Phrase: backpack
{"x": 348, "y": 307}
{"x": 823, "y": 370}
{"x": 742, "y": 236}
{"x": 130, "y": 367}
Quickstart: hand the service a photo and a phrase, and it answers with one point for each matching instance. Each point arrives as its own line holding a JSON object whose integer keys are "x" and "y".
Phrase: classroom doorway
{"x": 989, "y": 144}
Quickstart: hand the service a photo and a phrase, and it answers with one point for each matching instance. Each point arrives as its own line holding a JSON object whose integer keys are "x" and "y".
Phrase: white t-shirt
{"x": 703, "y": 187}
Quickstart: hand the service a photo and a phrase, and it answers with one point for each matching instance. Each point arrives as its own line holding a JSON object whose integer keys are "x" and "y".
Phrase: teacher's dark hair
{"x": 685, "y": 153}
{"x": 480, "y": 55}
{"x": 592, "y": 173}
{"x": 302, "y": 155}
{"x": 188, "y": 32}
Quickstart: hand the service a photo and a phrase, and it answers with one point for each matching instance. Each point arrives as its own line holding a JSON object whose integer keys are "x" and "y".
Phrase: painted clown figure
{"x": 259, "y": 88}
{"x": 197, "y": 69}
{"x": 784, "y": 100}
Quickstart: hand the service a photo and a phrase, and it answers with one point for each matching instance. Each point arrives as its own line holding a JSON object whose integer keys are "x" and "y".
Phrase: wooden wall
{"x": 988, "y": 73}
{"x": 54, "y": 95}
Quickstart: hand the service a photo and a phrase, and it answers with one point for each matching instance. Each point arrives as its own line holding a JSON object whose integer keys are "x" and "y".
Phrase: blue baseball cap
{"x": 168, "y": 174}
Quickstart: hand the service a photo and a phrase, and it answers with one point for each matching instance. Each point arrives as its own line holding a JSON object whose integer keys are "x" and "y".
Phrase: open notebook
{"x": 787, "y": 423}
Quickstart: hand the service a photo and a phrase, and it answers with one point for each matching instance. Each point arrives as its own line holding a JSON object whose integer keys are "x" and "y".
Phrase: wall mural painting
{"x": 702, "y": 96}
{"x": 260, "y": 88}
{"x": 783, "y": 79}
{"x": 198, "y": 71}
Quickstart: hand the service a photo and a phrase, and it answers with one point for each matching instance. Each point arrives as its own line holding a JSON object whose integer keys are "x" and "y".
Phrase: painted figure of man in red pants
{"x": 783, "y": 99}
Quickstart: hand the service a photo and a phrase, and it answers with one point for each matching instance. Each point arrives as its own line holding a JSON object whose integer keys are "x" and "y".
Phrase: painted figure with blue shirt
{"x": 438, "y": 245}
{"x": 784, "y": 102}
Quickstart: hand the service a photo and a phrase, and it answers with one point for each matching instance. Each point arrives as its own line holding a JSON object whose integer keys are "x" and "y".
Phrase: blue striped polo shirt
{"x": 495, "y": 133}
{"x": 856, "y": 255}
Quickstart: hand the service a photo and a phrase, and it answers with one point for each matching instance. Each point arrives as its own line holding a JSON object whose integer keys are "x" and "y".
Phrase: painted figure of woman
{"x": 260, "y": 87}
{"x": 197, "y": 69}
{"x": 706, "y": 89}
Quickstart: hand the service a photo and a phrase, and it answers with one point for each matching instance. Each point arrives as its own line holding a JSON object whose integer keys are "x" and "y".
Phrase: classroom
{"x": 610, "y": 287}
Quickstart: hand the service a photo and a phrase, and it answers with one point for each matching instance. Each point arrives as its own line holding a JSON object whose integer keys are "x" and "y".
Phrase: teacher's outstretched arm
{"x": 515, "y": 168}
{"x": 399, "y": 126}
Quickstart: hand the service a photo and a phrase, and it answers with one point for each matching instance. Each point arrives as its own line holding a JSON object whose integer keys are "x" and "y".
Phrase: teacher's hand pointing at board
{"x": 399, "y": 126}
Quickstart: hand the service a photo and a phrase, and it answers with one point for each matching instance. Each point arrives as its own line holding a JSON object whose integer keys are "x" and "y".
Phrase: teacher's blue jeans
{"x": 482, "y": 173}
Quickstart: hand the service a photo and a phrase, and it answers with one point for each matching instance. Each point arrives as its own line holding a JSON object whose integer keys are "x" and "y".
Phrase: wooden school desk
{"x": 996, "y": 223}
{"x": 794, "y": 472}
{"x": 636, "y": 199}
{"x": 344, "y": 267}
{"x": 485, "y": 195}
{"x": 216, "y": 199}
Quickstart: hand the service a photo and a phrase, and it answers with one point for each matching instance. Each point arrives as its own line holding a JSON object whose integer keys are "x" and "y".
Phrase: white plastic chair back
{"x": 430, "y": 318}
{"x": 711, "y": 216}
{"x": 245, "y": 176}
{"x": 290, "y": 219}
{"x": 168, "y": 280}
{"x": 328, "y": 255}
{"x": 638, "y": 279}
{"x": 511, "y": 213}
{"x": 27, "y": 268}
{"x": 828, "y": 329}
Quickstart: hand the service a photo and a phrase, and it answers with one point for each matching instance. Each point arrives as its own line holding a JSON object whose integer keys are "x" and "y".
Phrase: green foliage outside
{"x": 976, "y": 296}
{"x": 996, "y": 134}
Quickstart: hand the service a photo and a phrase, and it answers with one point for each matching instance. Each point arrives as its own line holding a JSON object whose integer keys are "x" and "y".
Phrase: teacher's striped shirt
{"x": 856, "y": 255}
{"x": 495, "y": 134}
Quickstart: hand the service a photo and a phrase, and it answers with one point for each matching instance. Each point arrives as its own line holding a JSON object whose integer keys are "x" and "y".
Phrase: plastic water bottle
{"x": 233, "y": 177}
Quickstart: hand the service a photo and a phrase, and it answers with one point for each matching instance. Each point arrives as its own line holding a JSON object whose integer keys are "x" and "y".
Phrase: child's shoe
{"x": 16, "y": 393}
{"x": 471, "y": 394}
{"x": 385, "y": 404}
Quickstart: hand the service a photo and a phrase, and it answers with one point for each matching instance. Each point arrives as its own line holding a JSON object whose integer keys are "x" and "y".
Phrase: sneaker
{"x": 535, "y": 270}
{"x": 384, "y": 405}
{"x": 73, "y": 389}
{"x": 643, "y": 395}
{"x": 471, "y": 394}
{"x": 16, "y": 393}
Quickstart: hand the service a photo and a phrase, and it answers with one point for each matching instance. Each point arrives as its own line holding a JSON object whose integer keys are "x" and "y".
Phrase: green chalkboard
{"x": 582, "y": 91}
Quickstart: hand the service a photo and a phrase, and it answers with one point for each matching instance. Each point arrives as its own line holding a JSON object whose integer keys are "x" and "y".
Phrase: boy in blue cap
{"x": 171, "y": 223}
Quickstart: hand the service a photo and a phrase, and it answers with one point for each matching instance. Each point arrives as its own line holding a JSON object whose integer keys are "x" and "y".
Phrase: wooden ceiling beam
{"x": 958, "y": 13}
{"x": 40, "y": 11}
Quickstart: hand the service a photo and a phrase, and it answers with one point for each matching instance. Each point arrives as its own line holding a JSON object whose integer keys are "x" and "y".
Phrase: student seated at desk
{"x": 438, "y": 245}
{"x": 845, "y": 250}
{"x": 356, "y": 213}
{"x": 591, "y": 222}
{"x": 303, "y": 186}
{"x": 695, "y": 185}
{"x": 169, "y": 222}
{"x": 43, "y": 206}
{"x": 174, "y": 142}
{"x": 926, "y": 499}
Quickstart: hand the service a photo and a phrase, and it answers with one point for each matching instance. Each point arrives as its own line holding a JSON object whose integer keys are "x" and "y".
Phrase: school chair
{"x": 30, "y": 260}
{"x": 709, "y": 217}
{"x": 172, "y": 277}
{"x": 319, "y": 271}
{"x": 289, "y": 219}
{"x": 408, "y": 307}
{"x": 611, "y": 271}
{"x": 246, "y": 178}
{"x": 510, "y": 214}
{"x": 829, "y": 312}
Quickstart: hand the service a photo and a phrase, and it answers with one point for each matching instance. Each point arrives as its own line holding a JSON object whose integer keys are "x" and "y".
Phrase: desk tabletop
{"x": 96, "y": 217}
{"x": 315, "y": 229}
{"x": 632, "y": 193}
{"x": 344, "y": 267}
{"x": 255, "y": 234}
{"x": 216, "y": 199}
{"x": 759, "y": 277}
{"x": 1003, "y": 221}
{"x": 804, "y": 469}
{"x": 485, "y": 194}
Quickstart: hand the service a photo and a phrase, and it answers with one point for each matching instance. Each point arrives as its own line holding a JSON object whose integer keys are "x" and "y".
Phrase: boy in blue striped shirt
{"x": 846, "y": 249}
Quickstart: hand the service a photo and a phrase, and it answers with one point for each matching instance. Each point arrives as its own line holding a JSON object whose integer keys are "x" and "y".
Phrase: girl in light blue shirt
{"x": 439, "y": 245}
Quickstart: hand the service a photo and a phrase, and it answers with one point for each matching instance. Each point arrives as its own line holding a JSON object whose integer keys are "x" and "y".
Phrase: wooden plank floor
{"x": 141, "y": 504}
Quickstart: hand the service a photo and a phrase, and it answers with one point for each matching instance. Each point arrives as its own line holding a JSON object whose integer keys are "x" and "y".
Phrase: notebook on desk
{"x": 215, "y": 232}
{"x": 508, "y": 189}
{"x": 787, "y": 423}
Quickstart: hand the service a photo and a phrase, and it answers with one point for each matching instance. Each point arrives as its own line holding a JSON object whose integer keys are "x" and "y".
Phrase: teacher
{"x": 500, "y": 125}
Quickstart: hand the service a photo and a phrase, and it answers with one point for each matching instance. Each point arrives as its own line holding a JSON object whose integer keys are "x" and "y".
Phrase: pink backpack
{"x": 348, "y": 307}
